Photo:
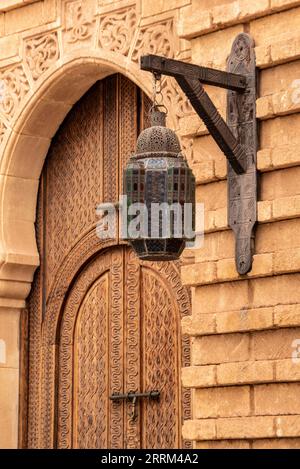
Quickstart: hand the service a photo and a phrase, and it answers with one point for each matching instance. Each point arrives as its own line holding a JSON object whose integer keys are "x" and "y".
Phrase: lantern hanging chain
{"x": 157, "y": 95}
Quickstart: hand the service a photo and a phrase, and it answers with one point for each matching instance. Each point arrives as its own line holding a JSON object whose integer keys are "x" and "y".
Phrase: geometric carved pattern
{"x": 160, "y": 363}
{"x": 91, "y": 300}
{"x": 132, "y": 430}
{"x": 90, "y": 367}
{"x": 41, "y": 52}
{"x": 95, "y": 364}
{"x": 73, "y": 187}
{"x": 117, "y": 30}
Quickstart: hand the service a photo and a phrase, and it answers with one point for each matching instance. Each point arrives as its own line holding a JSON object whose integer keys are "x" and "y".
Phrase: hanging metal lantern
{"x": 158, "y": 175}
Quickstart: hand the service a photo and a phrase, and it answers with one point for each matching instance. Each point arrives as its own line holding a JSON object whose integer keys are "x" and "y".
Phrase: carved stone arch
{"x": 25, "y": 147}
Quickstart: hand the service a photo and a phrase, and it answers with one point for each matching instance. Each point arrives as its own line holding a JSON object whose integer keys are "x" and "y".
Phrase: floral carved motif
{"x": 15, "y": 87}
{"x": 41, "y": 52}
{"x": 155, "y": 39}
{"x": 187, "y": 148}
{"x": 2, "y": 131}
{"x": 79, "y": 24}
{"x": 117, "y": 31}
{"x": 176, "y": 101}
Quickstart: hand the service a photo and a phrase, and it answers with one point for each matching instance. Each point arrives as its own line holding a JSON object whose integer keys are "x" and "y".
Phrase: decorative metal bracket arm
{"x": 214, "y": 122}
{"x": 207, "y": 76}
{"x": 189, "y": 78}
{"x": 237, "y": 138}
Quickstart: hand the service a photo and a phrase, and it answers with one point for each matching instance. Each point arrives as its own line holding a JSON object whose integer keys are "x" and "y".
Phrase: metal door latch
{"x": 132, "y": 397}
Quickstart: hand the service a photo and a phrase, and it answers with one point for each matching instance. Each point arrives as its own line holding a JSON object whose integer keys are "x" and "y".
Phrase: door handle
{"x": 133, "y": 397}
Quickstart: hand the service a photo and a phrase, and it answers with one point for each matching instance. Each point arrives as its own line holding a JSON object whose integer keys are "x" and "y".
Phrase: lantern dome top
{"x": 158, "y": 139}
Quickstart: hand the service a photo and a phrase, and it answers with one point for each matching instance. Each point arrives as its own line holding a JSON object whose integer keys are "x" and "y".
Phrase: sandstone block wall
{"x": 245, "y": 329}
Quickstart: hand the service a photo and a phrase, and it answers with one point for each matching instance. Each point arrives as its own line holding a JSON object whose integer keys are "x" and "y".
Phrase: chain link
{"x": 157, "y": 95}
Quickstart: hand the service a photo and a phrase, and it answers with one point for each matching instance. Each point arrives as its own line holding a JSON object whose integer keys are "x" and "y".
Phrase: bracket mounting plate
{"x": 241, "y": 119}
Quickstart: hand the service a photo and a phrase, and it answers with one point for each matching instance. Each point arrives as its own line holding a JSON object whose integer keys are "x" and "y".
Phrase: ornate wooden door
{"x": 100, "y": 321}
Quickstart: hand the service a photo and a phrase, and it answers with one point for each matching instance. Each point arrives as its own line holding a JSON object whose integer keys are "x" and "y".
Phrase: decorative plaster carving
{"x": 16, "y": 87}
{"x": 175, "y": 101}
{"x": 79, "y": 22}
{"x": 155, "y": 39}
{"x": 41, "y": 52}
{"x": 187, "y": 147}
{"x": 2, "y": 130}
{"x": 117, "y": 30}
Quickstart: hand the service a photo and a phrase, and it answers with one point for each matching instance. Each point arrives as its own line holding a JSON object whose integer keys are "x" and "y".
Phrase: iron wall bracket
{"x": 237, "y": 138}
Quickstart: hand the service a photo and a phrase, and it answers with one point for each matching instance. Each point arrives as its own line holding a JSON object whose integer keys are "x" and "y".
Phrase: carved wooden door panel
{"x": 125, "y": 340}
{"x": 100, "y": 321}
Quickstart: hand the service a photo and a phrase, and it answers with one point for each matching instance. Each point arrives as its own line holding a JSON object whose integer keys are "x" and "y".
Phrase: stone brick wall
{"x": 244, "y": 329}
{"x": 245, "y": 384}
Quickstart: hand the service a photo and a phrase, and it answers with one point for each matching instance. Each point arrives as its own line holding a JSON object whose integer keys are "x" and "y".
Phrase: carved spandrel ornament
{"x": 175, "y": 101}
{"x": 3, "y": 129}
{"x": 187, "y": 145}
{"x": 79, "y": 21}
{"x": 41, "y": 52}
{"x": 242, "y": 189}
{"x": 117, "y": 29}
{"x": 155, "y": 39}
{"x": 15, "y": 86}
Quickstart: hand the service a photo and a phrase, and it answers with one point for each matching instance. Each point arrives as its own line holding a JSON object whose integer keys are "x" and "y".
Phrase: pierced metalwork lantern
{"x": 158, "y": 178}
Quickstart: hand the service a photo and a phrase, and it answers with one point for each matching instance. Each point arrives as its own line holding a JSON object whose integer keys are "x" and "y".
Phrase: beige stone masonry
{"x": 235, "y": 374}
{"x": 206, "y": 50}
{"x": 30, "y": 15}
{"x": 154, "y": 8}
{"x": 280, "y": 157}
{"x": 278, "y": 52}
{"x": 268, "y": 211}
{"x": 242, "y": 328}
{"x": 196, "y": 21}
{"x": 224, "y": 270}
{"x": 9, "y": 375}
{"x": 235, "y": 321}
{"x": 219, "y": 245}
{"x": 223, "y": 444}
{"x": 223, "y": 402}
{"x": 246, "y": 294}
{"x": 243, "y": 427}
{"x": 269, "y": 443}
{"x": 279, "y": 104}
{"x": 274, "y": 399}
{"x": 7, "y": 5}
{"x": 268, "y": 159}
{"x": 243, "y": 320}
{"x": 282, "y": 443}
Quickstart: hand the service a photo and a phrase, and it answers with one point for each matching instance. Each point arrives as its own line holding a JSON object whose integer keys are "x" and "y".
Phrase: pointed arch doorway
{"x": 100, "y": 321}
